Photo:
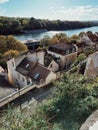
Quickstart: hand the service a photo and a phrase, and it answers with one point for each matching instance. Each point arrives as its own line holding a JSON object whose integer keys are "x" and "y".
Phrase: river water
{"x": 39, "y": 36}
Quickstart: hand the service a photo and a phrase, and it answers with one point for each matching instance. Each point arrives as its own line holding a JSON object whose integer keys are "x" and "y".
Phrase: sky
{"x": 51, "y": 9}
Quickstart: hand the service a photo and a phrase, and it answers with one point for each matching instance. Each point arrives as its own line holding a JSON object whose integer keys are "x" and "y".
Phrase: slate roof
{"x": 33, "y": 69}
{"x": 93, "y": 37}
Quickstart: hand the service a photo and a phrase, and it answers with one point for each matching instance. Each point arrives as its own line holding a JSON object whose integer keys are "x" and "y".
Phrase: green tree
{"x": 73, "y": 39}
{"x": 10, "y": 54}
{"x": 12, "y": 43}
{"x": 45, "y": 41}
{"x": 2, "y": 44}
{"x": 59, "y": 38}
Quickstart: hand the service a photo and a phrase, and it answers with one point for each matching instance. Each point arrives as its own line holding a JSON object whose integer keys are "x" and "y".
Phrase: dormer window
{"x": 12, "y": 63}
{"x": 23, "y": 79}
{"x": 18, "y": 76}
{"x": 67, "y": 51}
{"x": 36, "y": 75}
{"x": 37, "y": 59}
{"x": 27, "y": 66}
{"x": 73, "y": 49}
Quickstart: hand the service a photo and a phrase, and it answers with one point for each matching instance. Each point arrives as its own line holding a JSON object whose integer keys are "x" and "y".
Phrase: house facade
{"x": 53, "y": 66}
{"x": 65, "y": 53}
{"x": 51, "y": 63}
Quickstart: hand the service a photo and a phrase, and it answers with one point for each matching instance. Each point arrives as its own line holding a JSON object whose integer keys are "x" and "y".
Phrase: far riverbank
{"x": 40, "y": 35}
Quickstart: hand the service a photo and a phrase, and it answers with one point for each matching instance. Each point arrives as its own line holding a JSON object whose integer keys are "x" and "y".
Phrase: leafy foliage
{"x": 10, "y": 54}
{"x": 45, "y": 41}
{"x": 74, "y": 100}
{"x": 79, "y": 59}
{"x": 10, "y": 47}
{"x": 10, "y": 43}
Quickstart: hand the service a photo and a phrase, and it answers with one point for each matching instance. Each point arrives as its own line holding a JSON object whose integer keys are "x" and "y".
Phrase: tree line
{"x": 13, "y": 25}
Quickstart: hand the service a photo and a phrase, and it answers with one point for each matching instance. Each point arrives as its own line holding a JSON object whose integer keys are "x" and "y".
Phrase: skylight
{"x": 27, "y": 66}
{"x": 36, "y": 75}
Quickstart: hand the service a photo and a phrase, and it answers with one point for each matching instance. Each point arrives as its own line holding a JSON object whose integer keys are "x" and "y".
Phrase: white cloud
{"x": 3, "y": 1}
{"x": 2, "y": 11}
{"x": 75, "y": 13}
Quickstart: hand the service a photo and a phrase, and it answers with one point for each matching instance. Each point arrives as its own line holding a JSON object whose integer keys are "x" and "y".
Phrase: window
{"x": 58, "y": 59}
{"x": 73, "y": 49}
{"x": 67, "y": 51}
{"x": 45, "y": 60}
{"x": 18, "y": 76}
{"x": 12, "y": 63}
{"x": 66, "y": 59}
{"x": 36, "y": 75}
{"x": 23, "y": 79}
{"x": 28, "y": 80}
{"x": 37, "y": 59}
{"x": 27, "y": 66}
{"x": 51, "y": 66}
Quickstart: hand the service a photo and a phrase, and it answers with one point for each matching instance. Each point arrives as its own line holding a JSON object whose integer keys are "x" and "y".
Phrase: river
{"x": 39, "y": 36}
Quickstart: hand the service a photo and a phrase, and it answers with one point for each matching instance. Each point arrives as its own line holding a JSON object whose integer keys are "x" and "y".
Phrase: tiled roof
{"x": 25, "y": 66}
{"x": 32, "y": 69}
{"x": 39, "y": 72}
{"x": 93, "y": 37}
{"x": 60, "y": 48}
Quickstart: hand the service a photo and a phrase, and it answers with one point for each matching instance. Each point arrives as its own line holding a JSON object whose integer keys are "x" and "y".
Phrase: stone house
{"x": 26, "y": 70}
{"x": 64, "y": 52}
{"x": 92, "y": 65}
{"x": 14, "y": 62}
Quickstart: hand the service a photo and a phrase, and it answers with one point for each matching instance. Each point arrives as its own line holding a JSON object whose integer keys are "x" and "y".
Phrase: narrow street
{"x": 32, "y": 98}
